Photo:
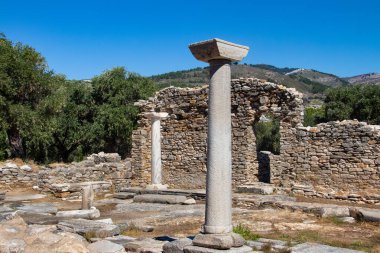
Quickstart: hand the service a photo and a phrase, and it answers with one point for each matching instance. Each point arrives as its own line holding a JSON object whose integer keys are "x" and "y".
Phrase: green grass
{"x": 245, "y": 232}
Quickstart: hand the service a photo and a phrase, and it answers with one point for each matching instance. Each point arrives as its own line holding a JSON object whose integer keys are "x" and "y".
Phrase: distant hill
{"x": 371, "y": 78}
{"x": 312, "y": 83}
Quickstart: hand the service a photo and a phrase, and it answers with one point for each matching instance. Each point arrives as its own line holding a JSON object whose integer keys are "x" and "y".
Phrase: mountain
{"x": 371, "y": 78}
{"x": 311, "y": 82}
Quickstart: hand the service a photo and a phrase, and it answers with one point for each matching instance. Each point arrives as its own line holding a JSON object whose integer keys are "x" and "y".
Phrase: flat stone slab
{"x": 318, "y": 248}
{"x": 196, "y": 249}
{"x": 145, "y": 245}
{"x": 105, "y": 246}
{"x": 89, "y": 227}
{"x": 92, "y": 213}
{"x": 39, "y": 208}
{"x": 256, "y": 189}
{"x": 124, "y": 195}
{"x": 323, "y": 210}
{"x": 195, "y": 193}
{"x": 119, "y": 239}
{"x": 161, "y": 199}
{"x": 23, "y": 197}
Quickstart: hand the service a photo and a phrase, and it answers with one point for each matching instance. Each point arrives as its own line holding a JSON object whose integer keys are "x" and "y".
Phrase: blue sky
{"x": 81, "y": 39}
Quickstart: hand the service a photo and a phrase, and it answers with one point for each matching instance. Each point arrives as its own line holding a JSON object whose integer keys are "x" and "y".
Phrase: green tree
{"x": 313, "y": 116}
{"x": 268, "y": 136}
{"x": 24, "y": 81}
{"x": 361, "y": 102}
{"x": 114, "y": 93}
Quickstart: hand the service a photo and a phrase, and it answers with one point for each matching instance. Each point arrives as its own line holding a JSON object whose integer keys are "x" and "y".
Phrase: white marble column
{"x": 219, "y": 54}
{"x": 156, "y": 166}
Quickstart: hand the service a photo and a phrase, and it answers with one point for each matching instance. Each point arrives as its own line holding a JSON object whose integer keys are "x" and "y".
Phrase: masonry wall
{"x": 184, "y": 133}
{"x": 335, "y": 156}
{"x": 95, "y": 168}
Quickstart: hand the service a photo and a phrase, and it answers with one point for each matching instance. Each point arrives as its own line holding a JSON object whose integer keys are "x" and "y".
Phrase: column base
{"x": 157, "y": 187}
{"x": 219, "y": 241}
{"x": 216, "y": 229}
{"x": 196, "y": 249}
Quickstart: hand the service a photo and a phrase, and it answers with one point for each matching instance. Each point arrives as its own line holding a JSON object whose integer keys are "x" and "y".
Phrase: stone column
{"x": 87, "y": 197}
{"x": 156, "y": 177}
{"x": 219, "y": 54}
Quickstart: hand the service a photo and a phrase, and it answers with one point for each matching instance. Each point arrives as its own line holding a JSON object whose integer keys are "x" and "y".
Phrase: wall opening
{"x": 267, "y": 132}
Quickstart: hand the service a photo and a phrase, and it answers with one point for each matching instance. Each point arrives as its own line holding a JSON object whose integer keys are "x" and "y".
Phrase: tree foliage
{"x": 361, "y": 102}
{"x": 48, "y": 118}
{"x": 268, "y": 136}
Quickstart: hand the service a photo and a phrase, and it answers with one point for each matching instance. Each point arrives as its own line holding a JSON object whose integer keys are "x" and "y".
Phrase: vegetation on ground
{"x": 245, "y": 232}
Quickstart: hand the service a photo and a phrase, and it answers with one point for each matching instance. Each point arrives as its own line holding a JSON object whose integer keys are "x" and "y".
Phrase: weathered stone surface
{"x": 93, "y": 228}
{"x": 238, "y": 240}
{"x": 368, "y": 215}
{"x": 145, "y": 245}
{"x": 214, "y": 241}
{"x": 315, "y": 247}
{"x": 124, "y": 195}
{"x": 196, "y": 249}
{"x": 39, "y": 208}
{"x": 176, "y": 246}
{"x": 92, "y": 213}
{"x": 105, "y": 246}
{"x": 17, "y": 236}
{"x": 184, "y": 133}
{"x": 156, "y": 198}
{"x": 256, "y": 189}
{"x": 189, "y": 201}
{"x": 218, "y": 49}
{"x": 87, "y": 197}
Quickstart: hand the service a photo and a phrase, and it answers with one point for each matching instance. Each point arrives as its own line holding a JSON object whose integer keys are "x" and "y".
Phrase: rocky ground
{"x": 28, "y": 223}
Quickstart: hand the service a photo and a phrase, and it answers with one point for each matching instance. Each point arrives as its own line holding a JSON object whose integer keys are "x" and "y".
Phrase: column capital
{"x": 217, "y": 49}
{"x": 156, "y": 115}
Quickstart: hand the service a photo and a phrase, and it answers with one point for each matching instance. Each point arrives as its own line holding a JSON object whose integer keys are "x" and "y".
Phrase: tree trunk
{"x": 15, "y": 142}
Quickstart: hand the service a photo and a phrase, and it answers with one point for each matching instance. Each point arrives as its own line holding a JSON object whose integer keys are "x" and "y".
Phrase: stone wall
{"x": 100, "y": 168}
{"x": 331, "y": 157}
{"x": 184, "y": 133}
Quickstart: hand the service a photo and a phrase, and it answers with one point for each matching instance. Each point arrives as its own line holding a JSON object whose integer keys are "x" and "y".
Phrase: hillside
{"x": 371, "y": 78}
{"x": 312, "y": 83}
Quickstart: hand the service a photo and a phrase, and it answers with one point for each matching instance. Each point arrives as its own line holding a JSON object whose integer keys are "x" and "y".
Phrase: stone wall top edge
{"x": 346, "y": 123}
{"x": 239, "y": 81}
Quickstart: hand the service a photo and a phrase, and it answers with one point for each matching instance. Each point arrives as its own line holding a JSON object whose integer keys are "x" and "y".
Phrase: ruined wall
{"x": 331, "y": 157}
{"x": 97, "y": 167}
{"x": 184, "y": 133}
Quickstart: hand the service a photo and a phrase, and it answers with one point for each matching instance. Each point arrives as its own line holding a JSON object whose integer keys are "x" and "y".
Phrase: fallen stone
{"x": 26, "y": 168}
{"x": 124, "y": 195}
{"x": 347, "y": 219}
{"x": 91, "y": 213}
{"x": 335, "y": 211}
{"x": 177, "y": 246}
{"x": 316, "y": 248}
{"x": 189, "y": 201}
{"x": 39, "y": 208}
{"x": 369, "y": 215}
{"x": 262, "y": 242}
{"x": 145, "y": 245}
{"x": 120, "y": 239}
{"x": 89, "y": 228}
{"x": 162, "y": 199}
{"x": 105, "y": 246}
{"x": 196, "y": 249}
{"x": 214, "y": 241}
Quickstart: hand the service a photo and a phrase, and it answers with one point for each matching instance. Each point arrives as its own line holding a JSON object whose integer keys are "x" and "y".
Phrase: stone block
{"x": 177, "y": 246}
{"x": 316, "y": 247}
{"x": 94, "y": 228}
{"x": 196, "y": 249}
{"x": 105, "y": 246}
{"x": 162, "y": 199}
{"x": 91, "y": 213}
